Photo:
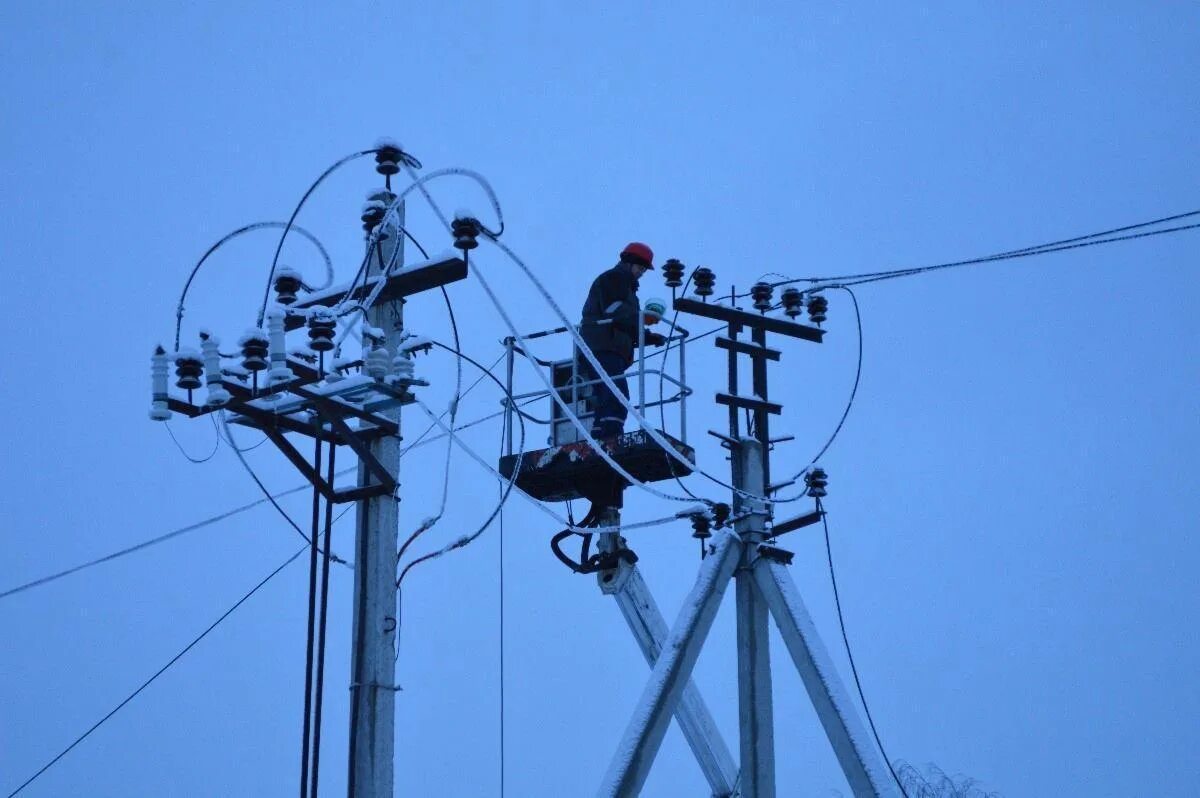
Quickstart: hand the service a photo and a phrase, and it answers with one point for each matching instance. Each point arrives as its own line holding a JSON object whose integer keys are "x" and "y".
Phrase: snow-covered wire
{"x": 240, "y": 231}
{"x": 292, "y": 221}
{"x": 587, "y": 352}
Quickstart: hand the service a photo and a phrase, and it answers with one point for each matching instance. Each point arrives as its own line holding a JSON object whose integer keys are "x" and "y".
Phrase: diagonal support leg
{"x": 630, "y": 765}
{"x": 625, "y": 584}
{"x": 865, "y": 769}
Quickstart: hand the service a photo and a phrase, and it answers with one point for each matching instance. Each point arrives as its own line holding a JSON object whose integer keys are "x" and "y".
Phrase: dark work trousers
{"x": 609, "y": 418}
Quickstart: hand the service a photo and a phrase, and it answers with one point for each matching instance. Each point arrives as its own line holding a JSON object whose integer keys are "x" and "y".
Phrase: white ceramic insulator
{"x": 378, "y": 363}
{"x": 280, "y": 371}
{"x": 159, "y": 370}
{"x": 217, "y": 395}
{"x": 402, "y": 366}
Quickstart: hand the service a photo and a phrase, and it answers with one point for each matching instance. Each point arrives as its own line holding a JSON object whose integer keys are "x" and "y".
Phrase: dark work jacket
{"x": 612, "y": 299}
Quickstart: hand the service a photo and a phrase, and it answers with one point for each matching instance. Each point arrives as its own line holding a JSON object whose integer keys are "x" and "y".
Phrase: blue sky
{"x": 1011, "y": 502}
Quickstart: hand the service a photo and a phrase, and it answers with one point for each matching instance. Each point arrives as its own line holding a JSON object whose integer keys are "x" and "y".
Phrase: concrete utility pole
{"x": 373, "y": 659}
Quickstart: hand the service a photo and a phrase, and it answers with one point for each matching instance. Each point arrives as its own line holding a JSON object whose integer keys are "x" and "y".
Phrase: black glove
{"x": 655, "y": 339}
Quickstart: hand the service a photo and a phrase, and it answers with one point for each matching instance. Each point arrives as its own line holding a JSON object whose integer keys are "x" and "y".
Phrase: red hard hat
{"x": 638, "y": 253}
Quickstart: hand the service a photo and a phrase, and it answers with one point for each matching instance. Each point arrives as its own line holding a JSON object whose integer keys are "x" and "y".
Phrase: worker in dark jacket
{"x": 611, "y": 317}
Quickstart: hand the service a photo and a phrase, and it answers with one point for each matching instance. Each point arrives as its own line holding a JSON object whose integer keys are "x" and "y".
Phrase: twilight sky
{"x": 1012, "y": 522}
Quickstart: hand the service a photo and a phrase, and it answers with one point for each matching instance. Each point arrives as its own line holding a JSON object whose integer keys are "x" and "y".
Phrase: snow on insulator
{"x": 280, "y": 370}
{"x": 673, "y": 273}
{"x": 189, "y": 367}
{"x": 793, "y": 301}
{"x": 403, "y": 367}
{"x": 217, "y": 395}
{"x": 158, "y": 385}
{"x": 372, "y": 214}
{"x": 465, "y": 229}
{"x": 337, "y": 371}
{"x": 761, "y": 294}
{"x": 287, "y": 283}
{"x": 817, "y": 307}
{"x": 388, "y": 157}
{"x": 703, "y": 280}
{"x": 255, "y": 345}
{"x": 321, "y": 325}
{"x": 378, "y": 363}
{"x": 816, "y": 480}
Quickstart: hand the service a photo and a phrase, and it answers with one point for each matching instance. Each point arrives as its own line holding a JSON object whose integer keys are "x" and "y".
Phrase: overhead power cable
{"x": 157, "y": 673}
{"x": 837, "y": 601}
{"x": 1076, "y": 242}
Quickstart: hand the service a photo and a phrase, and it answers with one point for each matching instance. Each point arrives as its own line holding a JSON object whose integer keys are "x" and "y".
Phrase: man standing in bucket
{"x": 611, "y": 316}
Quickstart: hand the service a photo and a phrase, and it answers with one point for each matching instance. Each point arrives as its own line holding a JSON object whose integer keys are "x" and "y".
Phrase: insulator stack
{"x": 321, "y": 326}
{"x": 255, "y": 345}
{"x": 761, "y": 294}
{"x": 378, "y": 363}
{"x": 703, "y": 280}
{"x": 673, "y": 273}
{"x": 217, "y": 395}
{"x": 387, "y": 158}
{"x": 372, "y": 214}
{"x": 720, "y": 514}
{"x": 701, "y": 526}
{"x": 189, "y": 367}
{"x": 793, "y": 301}
{"x": 816, "y": 481}
{"x": 287, "y": 283}
{"x": 817, "y": 307}
{"x": 280, "y": 370}
{"x": 403, "y": 368}
{"x": 159, "y": 369}
{"x": 465, "y": 230}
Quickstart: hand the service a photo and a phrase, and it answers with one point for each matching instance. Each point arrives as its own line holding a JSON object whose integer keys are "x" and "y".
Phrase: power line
{"x": 850, "y": 656}
{"x": 157, "y": 673}
{"x": 1060, "y": 245}
{"x": 857, "y": 377}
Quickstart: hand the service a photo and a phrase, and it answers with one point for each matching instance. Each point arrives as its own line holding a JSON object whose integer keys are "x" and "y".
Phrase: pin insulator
{"x": 720, "y": 513}
{"x": 793, "y": 301}
{"x": 404, "y": 368}
{"x": 375, "y": 209}
{"x": 703, "y": 280}
{"x": 672, "y": 272}
{"x": 320, "y": 331}
{"x": 287, "y": 283}
{"x": 189, "y": 367}
{"x": 387, "y": 159}
{"x": 817, "y": 306}
{"x": 816, "y": 481}
{"x": 255, "y": 346}
{"x": 761, "y": 294}
{"x": 158, "y": 385}
{"x": 378, "y": 362}
{"x": 701, "y": 527}
{"x": 465, "y": 230}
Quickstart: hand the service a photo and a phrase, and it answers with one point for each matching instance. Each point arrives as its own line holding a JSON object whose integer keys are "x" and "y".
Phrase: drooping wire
{"x": 321, "y": 626}
{"x": 246, "y": 465}
{"x": 837, "y": 601}
{"x": 240, "y": 231}
{"x": 310, "y": 630}
{"x": 184, "y": 452}
{"x": 857, "y": 377}
{"x": 292, "y": 221}
{"x": 157, "y": 673}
